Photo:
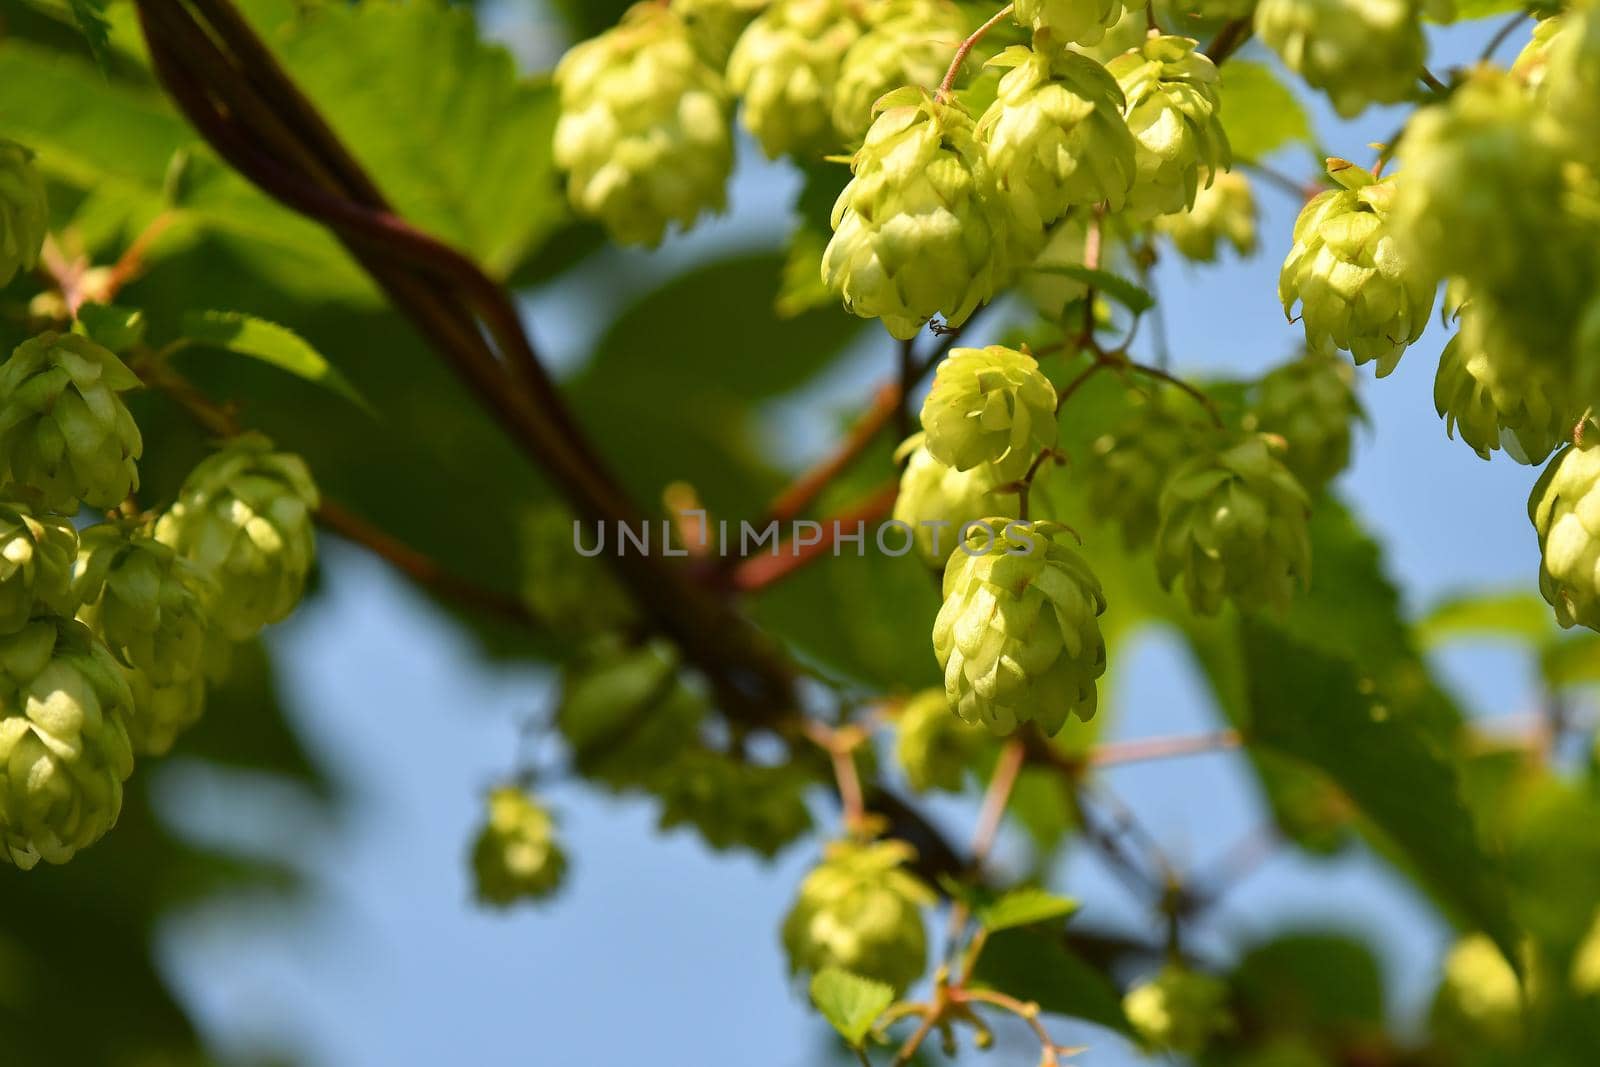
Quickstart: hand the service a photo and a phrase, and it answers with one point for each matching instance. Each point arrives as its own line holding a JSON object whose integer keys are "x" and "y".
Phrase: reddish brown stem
{"x": 793, "y": 501}
{"x": 759, "y": 572}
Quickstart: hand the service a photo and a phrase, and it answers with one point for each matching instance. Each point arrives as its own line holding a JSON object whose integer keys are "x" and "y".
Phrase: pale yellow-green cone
{"x": 1571, "y": 87}
{"x": 1224, "y": 210}
{"x": 1565, "y": 510}
{"x": 1359, "y": 52}
{"x": 516, "y": 856}
{"x": 1354, "y": 287}
{"x": 989, "y": 406}
{"x": 24, "y": 214}
{"x": 161, "y": 713}
{"x": 64, "y": 430}
{"x": 644, "y": 133}
{"x": 734, "y": 804}
{"x": 1018, "y": 637}
{"x": 918, "y": 232}
{"x": 1128, "y": 467}
{"x": 1172, "y": 98}
{"x": 64, "y": 750}
{"x": 1494, "y": 394}
{"x": 244, "y": 515}
{"x": 715, "y": 25}
{"x": 908, "y": 42}
{"x": 785, "y": 68}
{"x": 936, "y": 500}
{"x": 1055, "y": 137}
{"x": 860, "y": 910}
{"x": 1178, "y": 1010}
{"x": 1310, "y": 403}
{"x": 1533, "y": 61}
{"x": 146, "y": 602}
{"x": 1070, "y": 21}
{"x": 1234, "y": 526}
{"x": 933, "y": 745}
{"x": 37, "y": 550}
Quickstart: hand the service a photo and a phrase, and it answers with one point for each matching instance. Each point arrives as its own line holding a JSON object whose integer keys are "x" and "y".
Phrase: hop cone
{"x": 24, "y": 215}
{"x": 1132, "y": 464}
{"x": 1225, "y": 210}
{"x": 918, "y": 230}
{"x": 1172, "y": 102}
{"x": 1355, "y": 289}
{"x": 643, "y": 133}
{"x": 734, "y": 804}
{"x": 1070, "y": 21}
{"x": 1018, "y": 637}
{"x": 162, "y": 712}
{"x": 989, "y": 406}
{"x": 626, "y": 714}
{"x": 861, "y": 911}
{"x": 64, "y": 431}
{"x": 1310, "y": 402}
{"x": 37, "y": 550}
{"x": 1359, "y": 52}
{"x": 910, "y": 42}
{"x": 932, "y": 745}
{"x": 1533, "y": 62}
{"x": 1495, "y": 394}
{"x": 936, "y": 500}
{"x": 1565, "y": 509}
{"x": 244, "y": 516}
{"x": 1179, "y": 1010}
{"x": 715, "y": 25}
{"x": 1233, "y": 525}
{"x": 785, "y": 67}
{"x": 1049, "y": 290}
{"x": 1056, "y": 137}
{"x": 1572, "y": 83}
{"x": 64, "y": 750}
{"x": 516, "y": 856}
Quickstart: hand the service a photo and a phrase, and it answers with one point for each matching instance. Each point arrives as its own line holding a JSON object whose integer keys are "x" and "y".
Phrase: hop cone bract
{"x": 933, "y": 745}
{"x": 715, "y": 25}
{"x": 1172, "y": 103}
{"x": 1310, "y": 402}
{"x": 785, "y": 67}
{"x": 1359, "y": 52}
{"x": 1565, "y": 509}
{"x": 1494, "y": 394}
{"x": 989, "y": 406}
{"x": 861, "y": 911}
{"x": 909, "y": 42}
{"x": 1070, "y": 21}
{"x": 24, "y": 215}
{"x": 516, "y": 856}
{"x": 1130, "y": 466}
{"x": 936, "y": 500}
{"x": 1224, "y": 210}
{"x": 37, "y": 551}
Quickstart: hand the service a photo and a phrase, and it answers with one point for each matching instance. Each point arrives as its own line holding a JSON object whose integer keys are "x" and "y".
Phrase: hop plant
{"x": 735, "y": 804}
{"x": 1565, "y": 509}
{"x": 1179, "y": 1010}
{"x": 1130, "y": 465}
{"x": 1355, "y": 288}
{"x": 918, "y": 231}
{"x": 786, "y": 66}
{"x": 933, "y": 745}
{"x": 626, "y": 714}
{"x": 1070, "y": 21}
{"x": 1234, "y": 524}
{"x": 1056, "y": 137}
{"x": 64, "y": 749}
{"x": 1018, "y": 637}
{"x": 1171, "y": 93}
{"x": 1224, "y": 210}
{"x": 909, "y": 42}
{"x": 244, "y": 516}
{"x": 64, "y": 430}
{"x": 861, "y": 911}
{"x": 1533, "y": 61}
{"x": 1495, "y": 394}
{"x": 936, "y": 500}
{"x": 1043, "y": 283}
{"x": 37, "y": 550}
{"x": 24, "y": 214}
{"x": 516, "y": 856}
{"x": 1310, "y": 403}
{"x": 715, "y": 25}
{"x": 161, "y": 713}
{"x": 643, "y": 133}
{"x": 1571, "y": 86}
{"x": 989, "y": 406}
{"x": 1359, "y": 52}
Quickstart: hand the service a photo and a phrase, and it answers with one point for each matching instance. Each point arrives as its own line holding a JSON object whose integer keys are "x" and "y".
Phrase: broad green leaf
{"x": 90, "y": 16}
{"x": 270, "y": 343}
{"x": 1025, "y": 907}
{"x": 851, "y": 1004}
{"x": 1516, "y": 615}
{"x": 1324, "y": 986}
{"x": 1571, "y": 659}
{"x": 1040, "y": 967}
{"x": 1260, "y": 113}
{"x": 1130, "y": 295}
{"x": 117, "y": 328}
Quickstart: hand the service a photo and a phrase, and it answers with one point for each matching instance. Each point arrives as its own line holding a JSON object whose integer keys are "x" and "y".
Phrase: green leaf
{"x": 1025, "y": 907}
{"x": 850, "y": 1003}
{"x": 1515, "y": 615}
{"x": 117, "y": 328}
{"x": 270, "y": 343}
{"x": 1130, "y": 295}
{"x": 91, "y": 19}
{"x": 1042, "y": 968}
{"x": 1259, "y": 112}
{"x": 1323, "y": 985}
{"x": 1571, "y": 659}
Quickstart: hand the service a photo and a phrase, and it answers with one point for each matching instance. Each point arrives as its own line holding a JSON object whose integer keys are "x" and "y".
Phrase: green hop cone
{"x": 244, "y": 515}
{"x": 1359, "y": 52}
{"x": 37, "y": 551}
{"x": 1565, "y": 509}
{"x": 937, "y": 500}
{"x": 786, "y": 66}
{"x": 715, "y": 25}
{"x": 1172, "y": 94}
{"x": 1234, "y": 525}
{"x": 1355, "y": 289}
{"x": 909, "y": 42}
{"x": 1129, "y": 466}
{"x": 860, "y": 910}
{"x": 644, "y": 129}
{"x": 1070, "y": 21}
{"x": 733, "y": 804}
{"x": 1179, "y": 1010}
{"x": 516, "y": 856}
{"x": 1056, "y": 137}
{"x": 64, "y": 430}
{"x": 933, "y": 745}
{"x": 1224, "y": 210}
{"x": 1018, "y": 636}
{"x": 918, "y": 231}
{"x": 989, "y": 406}
{"x": 24, "y": 214}
{"x": 161, "y": 713}
{"x": 1571, "y": 86}
{"x": 1310, "y": 403}
{"x": 64, "y": 749}
{"x": 1533, "y": 62}
{"x": 1494, "y": 394}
